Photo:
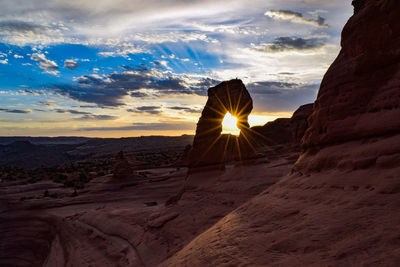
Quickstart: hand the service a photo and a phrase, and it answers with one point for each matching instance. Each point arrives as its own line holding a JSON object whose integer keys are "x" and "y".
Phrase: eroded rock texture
{"x": 209, "y": 145}
{"x": 359, "y": 95}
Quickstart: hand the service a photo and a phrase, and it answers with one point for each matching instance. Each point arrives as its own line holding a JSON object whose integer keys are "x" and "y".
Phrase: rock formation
{"x": 283, "y": 130}
{"x": 359, "y": 96}
{"x": 340, "y": 206}
{"x": 122, "y": 168}
{"x": 209, "y": 145}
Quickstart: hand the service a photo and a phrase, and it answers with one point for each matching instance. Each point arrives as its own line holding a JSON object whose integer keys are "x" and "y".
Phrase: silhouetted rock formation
{"x": 122, "y": 168}
{"x": 283, "y": 130}
{"x": 209, "y": 145}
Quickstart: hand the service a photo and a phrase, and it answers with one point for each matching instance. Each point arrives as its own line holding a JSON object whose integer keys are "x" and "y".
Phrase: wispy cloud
{"x": 146, "y": 109}
{"x": 282, "y": 44}
{"x": 17, "y": 111}
{"x": 96, "y": 118}
{"x": 145, "y": 127}
{"x": 296, "y": 17}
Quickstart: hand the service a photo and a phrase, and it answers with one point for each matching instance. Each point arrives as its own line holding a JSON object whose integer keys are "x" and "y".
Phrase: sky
{"x": 120, "y": 68}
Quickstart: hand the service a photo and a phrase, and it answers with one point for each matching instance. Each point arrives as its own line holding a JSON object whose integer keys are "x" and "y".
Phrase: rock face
{"x": 122, "y": 168}
{"x": 359, "y": 96}
{"x": 283, "y": 131}
{"x": 209, "y": 145}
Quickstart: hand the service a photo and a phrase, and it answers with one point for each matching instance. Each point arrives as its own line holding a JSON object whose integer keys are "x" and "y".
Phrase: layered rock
{"x": 209, "y": 145}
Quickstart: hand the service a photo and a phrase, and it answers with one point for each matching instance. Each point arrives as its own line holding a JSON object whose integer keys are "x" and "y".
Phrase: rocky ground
{"x": 125, "y": 223}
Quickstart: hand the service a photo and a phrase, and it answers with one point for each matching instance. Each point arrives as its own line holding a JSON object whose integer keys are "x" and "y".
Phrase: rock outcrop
{"x": 283, "y": 130}
{"x": 359, "y": 96}
{"x": 122, "y": 168}
{"x": 209, "y": 145}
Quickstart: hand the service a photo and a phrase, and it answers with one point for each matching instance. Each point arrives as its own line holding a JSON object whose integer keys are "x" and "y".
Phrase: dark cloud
{"x": 108, "y": 90}
{"x": 46, "y": 103}
{"x": 273, "y": 96}
{"x": 20, "y": 26}
{"x": 296, "y": 17}
{"x": 186, "y": 109}
{"x": 17, "y": 111}
{"x": 96, "y": 117}
{"x": 291, "y": 44}
{"x": 145, "y": 127}
{"x": 138, "y": 94}
{"x": 71, "y": 64}
{"x": 146, "y": 109}
{"x": 71, "y": 111}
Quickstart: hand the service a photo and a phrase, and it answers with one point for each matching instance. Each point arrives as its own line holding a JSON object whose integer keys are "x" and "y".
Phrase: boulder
{"x": 122, "y": 168}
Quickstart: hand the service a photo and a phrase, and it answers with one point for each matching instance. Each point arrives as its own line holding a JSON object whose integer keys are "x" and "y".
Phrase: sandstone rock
{"x": 209, "y": 145}
{"x": 341, "y": 205}
{"x": 359, "y": 95}
{"x": 283, "y": 130}
{"x": 160, "y": 221}
{"x": 122, "y": 168}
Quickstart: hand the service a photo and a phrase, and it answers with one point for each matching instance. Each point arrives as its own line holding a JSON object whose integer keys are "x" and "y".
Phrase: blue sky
{"x": 113, "y": 68}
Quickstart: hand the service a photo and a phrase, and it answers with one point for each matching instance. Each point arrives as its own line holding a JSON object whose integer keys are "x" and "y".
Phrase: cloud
{"x": 96, "y": 117}
{"x": 282, "y": 44}
{"x": 124, "y": 51}
{"x": 42, "y": 102}
{"x": 71, "y": 111}
{"x": 18, "y": 56}
{"x": 21, "y": 33}
{"x": 49, "y": 66}
{"x": 18, "y": 111}
{"x": 146, "y": 109}
{"x": 4, "y": 61}
{"x": 71, "y": 64}
{"x": 87, "y": 116}
{"x": 296, "y": 17}
{"x": 186, "y": 109}
{"x": 145, "y": 127}
{"x": 276, "y": 96}
{"x": 109, "y": 89}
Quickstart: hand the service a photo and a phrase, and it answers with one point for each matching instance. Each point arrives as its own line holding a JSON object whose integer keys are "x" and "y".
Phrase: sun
{"x": 229, "y": 125}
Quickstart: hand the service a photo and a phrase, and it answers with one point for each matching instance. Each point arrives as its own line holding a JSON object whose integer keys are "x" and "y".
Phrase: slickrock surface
{"x": 124, "y": 222}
